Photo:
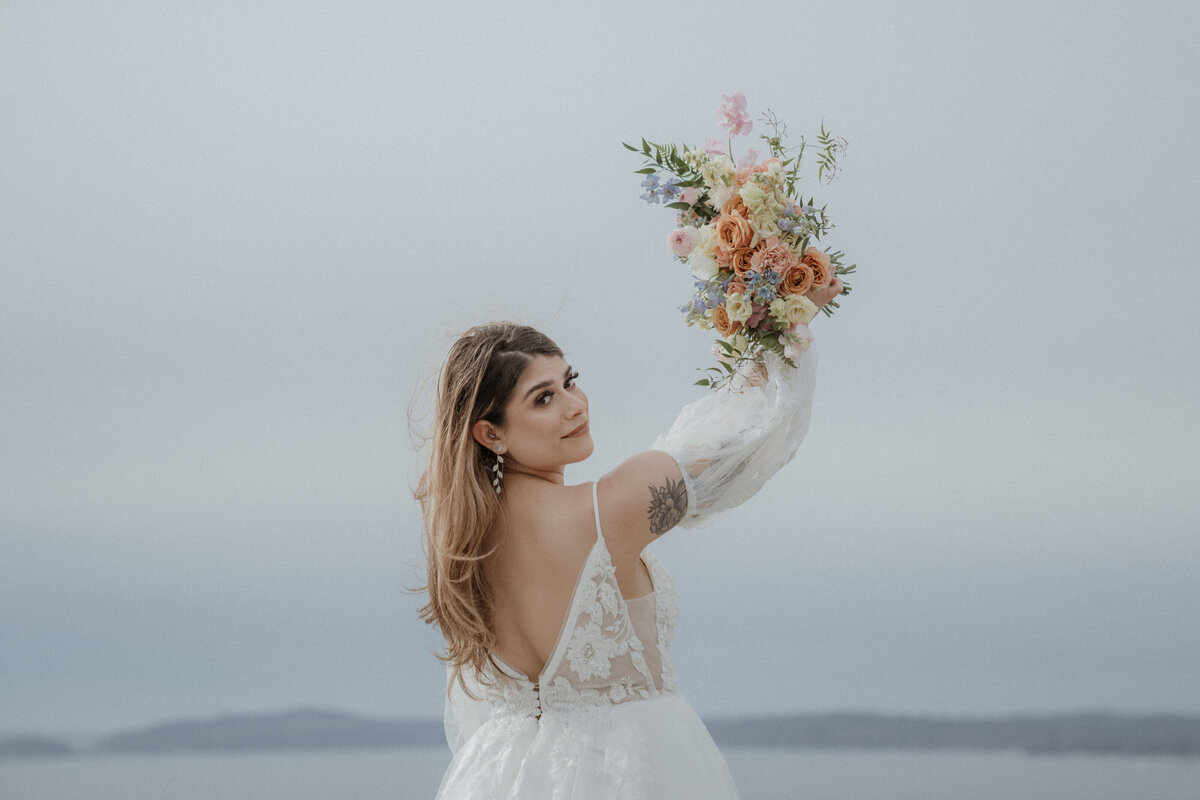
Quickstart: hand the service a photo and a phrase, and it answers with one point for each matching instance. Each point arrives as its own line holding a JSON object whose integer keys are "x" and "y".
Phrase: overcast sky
{"x": 235, "y": 238}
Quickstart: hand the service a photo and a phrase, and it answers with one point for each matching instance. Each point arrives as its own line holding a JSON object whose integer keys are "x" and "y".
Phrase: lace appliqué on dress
{"x": 603, "y": 660}
{"x": 666, "y": 616}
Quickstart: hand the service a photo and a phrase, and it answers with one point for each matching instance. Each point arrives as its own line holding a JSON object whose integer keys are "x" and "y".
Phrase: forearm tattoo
{"x": 668, "y": 505}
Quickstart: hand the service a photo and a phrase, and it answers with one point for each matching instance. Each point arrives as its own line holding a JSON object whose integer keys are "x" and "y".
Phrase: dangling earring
{"x": 498, "y": 469}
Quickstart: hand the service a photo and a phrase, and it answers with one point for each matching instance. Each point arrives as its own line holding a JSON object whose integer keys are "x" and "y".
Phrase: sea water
{"x": 760, "y": 774}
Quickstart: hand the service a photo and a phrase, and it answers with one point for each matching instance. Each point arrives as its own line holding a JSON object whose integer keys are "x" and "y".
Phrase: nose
{"x": 578, "y": 405}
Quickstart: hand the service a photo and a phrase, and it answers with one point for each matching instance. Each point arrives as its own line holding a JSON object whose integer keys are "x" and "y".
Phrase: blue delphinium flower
{"x": 669, "y": 190}
{"x": 716, "y": 294}
{"x": 653, "y": 191}
{"x": 660, "y": 192}
{"x": 791, "y": 217}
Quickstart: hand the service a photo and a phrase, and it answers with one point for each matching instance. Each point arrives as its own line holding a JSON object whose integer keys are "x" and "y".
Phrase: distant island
{"x": 315, "y": 729}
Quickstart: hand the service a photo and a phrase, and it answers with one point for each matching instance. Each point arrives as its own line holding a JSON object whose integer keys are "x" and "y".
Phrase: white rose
{"x": 702, "y": 265}
{"x": 719, "y": 198}
{"x": 738, "y": 307}
{"x": 779, "y": 309}
{"x": 753, "y": 196}
{"x": 800, "y": 310}
{"x": 767, "y": 225}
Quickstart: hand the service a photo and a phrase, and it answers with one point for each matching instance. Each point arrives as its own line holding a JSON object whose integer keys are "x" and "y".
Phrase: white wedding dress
{"x": 605, "y": 719}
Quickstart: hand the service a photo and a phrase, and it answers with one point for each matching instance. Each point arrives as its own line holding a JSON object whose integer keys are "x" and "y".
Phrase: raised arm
{"x": 719, "y": 452}
{"x": 641, "y": 500}
{"x": 728, "y": 444}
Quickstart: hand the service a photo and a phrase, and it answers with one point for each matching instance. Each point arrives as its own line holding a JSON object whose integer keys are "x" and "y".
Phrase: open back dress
{"x": 605, "y": 719}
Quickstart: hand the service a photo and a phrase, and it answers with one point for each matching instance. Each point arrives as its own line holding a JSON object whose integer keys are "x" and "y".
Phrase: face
{"x": 546, "y": 418}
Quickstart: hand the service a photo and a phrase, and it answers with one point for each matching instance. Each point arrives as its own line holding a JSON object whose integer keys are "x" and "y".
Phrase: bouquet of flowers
{"x": 747, "y": 237}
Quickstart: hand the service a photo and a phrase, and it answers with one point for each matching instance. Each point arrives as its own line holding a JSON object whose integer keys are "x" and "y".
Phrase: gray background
{"x": 235, "y": 238}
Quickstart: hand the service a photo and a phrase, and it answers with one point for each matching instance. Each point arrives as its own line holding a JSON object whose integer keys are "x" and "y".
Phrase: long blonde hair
{"x": 458, "y": 504}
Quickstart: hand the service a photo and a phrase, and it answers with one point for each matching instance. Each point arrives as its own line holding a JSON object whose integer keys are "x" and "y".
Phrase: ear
{"x": 486, "y": 434}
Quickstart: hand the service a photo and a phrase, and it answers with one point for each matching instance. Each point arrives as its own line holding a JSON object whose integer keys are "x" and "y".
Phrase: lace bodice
{"x": 600, "y": 659}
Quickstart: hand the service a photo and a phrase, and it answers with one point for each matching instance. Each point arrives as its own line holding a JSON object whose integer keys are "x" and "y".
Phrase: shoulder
{"x": 641, "y": 499}
{"x": 555, "y": 522}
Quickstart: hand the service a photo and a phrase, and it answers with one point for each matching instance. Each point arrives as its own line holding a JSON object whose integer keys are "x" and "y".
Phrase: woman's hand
{"x": 822, "y": 295}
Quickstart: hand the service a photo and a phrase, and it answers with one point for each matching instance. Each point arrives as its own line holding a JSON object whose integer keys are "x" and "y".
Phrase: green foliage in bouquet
{"x": 748, "y": 236}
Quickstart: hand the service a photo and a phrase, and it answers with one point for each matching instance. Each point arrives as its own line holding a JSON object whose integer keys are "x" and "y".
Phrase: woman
{"x": 557, "y": 621}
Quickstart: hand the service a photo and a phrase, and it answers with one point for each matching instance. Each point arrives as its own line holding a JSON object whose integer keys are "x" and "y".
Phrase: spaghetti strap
{"x": 596, "y": 509}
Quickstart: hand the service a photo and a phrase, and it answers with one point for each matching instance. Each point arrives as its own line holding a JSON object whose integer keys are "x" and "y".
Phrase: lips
{"x": 582, "y": 429}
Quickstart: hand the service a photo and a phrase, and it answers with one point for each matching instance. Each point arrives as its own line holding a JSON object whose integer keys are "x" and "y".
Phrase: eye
{"x": 544, "y": 398}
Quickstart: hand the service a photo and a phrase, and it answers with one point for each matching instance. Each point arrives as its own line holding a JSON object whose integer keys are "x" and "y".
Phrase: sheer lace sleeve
{"x": 729, "y": 442}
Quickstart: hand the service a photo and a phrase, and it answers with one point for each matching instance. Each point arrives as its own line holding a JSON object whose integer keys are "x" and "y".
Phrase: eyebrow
{"x": 545, "y": 384}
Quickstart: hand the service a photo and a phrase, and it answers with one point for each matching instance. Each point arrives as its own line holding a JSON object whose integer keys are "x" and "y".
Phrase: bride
{"x": 557, "y": 620}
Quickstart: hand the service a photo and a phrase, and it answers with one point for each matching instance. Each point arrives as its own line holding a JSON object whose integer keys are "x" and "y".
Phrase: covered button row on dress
{"x": 528, "y": 701}
{"x": 517, "y": 698}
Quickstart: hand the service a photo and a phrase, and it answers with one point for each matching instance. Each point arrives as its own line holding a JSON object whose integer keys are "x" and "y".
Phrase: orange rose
{"x": 724, "y": 257}
{"x": 721, "y": 321}
{"x": 737, "y": 206}
{"x": 743, "y": 260}
{"x": 818, "y": 262}
{"x": 733, "y": 231}
{"x": 797, "y": 280}
{"x": 736, "y": 287}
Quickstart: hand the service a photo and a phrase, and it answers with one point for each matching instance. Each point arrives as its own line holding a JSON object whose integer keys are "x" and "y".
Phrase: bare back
{"x": 543, "y": 540}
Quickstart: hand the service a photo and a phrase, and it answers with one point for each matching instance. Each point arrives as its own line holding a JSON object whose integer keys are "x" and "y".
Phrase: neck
{"x": 551, "y": 475}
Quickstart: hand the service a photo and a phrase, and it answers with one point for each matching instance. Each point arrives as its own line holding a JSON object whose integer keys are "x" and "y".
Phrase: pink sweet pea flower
{"x": 689, "y": 196}
{"x": 732, "y": 114}
{"x": 794, "y": 350}
{"x": 758, "y": 316}
{"x": 748, "y": 159}
{"x": 714, "y": 147}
